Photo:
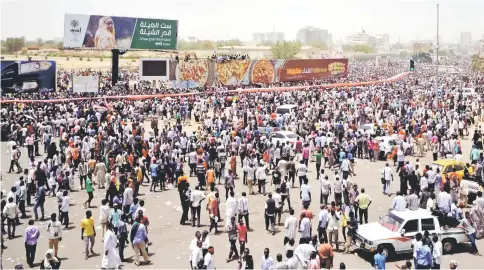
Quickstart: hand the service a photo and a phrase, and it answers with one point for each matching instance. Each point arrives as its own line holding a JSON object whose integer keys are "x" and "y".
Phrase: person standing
{"x": 466, "y": 224}
{"x": 323, "y": 224}
{"x": 380, "y": 259}
{"x": 22, "y": 198}
{"x": 436, "y": 252}
{"x": 10, "y": 212}
{"x": 83, "y": 172}
{"x": 196, "y": 199}
{"x": 64, "y": 210}
{"x": 243, "y": 207}
{"x": 363, "y": 201}
{"x": 305, "y": 193}
{"x": 266, "y": 261}
{"x": 208, "y": 261}
{"x": 333, "y": 226}
{"x": 100, "y": 172}
{"x": 104, "y": 211}
{"x": 128, "y": 197}
{"x": 55, "y": 233}
{"x": 302, "y": 170}
{"x": 305, "y": 229}
{"x": 424, "y": 256}
{"x": 32, "y": 234}
{"x": 122, "y": 236}
{"x": 196, "y": 256}
{"x": 185, "y": 203}
{"x": 88, "y": 233}
{"x": 325, "y": 186}
{"x": 260, "y": 174}
{"x": 269, "y": 213}
{"x": 387, "y": 175}
{"x": 290, "y": 226}
{"x": 231, "y": 207}
{"x": 89, "y": 190}
{"x": 111, "y": 257}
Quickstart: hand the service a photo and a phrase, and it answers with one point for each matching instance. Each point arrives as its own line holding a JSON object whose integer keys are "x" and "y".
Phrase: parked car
{"x": 396, "y": 230}
{"x": 284, "y": 137}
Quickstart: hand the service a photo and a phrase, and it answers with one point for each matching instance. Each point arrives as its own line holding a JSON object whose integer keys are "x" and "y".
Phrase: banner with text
{"x": 196, "y": 73}
{"x": 110, "y": 32}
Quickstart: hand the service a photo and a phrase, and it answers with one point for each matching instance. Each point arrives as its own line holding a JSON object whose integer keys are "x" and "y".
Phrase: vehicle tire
{"x": 448, "y": 245}
{"x": 388, "y": 251}
{"x": 408, "y": 151}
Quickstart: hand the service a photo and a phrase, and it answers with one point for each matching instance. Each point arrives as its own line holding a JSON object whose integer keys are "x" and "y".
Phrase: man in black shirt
{"x": 201, "y": 171}
{"x": 247, "y": 259}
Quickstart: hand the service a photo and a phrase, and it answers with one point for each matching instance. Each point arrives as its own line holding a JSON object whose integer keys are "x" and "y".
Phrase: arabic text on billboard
{"x": 110, "y": 32}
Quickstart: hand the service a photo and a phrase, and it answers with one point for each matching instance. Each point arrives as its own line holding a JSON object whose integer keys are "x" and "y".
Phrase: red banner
{"x": 313, "y": 69}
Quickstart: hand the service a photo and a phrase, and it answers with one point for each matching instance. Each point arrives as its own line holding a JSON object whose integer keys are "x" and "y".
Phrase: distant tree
{"x": 285, "y": 49}
{"x": 231, "y": 42}
{"x": 60, "y": 45}
{"x": 12, "y": 45}
{"x": 40, "y": 42}
{"x": 49, "y": 42}
{"x": 319, "y": 44}
{"x": 364, "y": 48}
{"x": 207, "y": 45}
{"x": 266, "y": 43}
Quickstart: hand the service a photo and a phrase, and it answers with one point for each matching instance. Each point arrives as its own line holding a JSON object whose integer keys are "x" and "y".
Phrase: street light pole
{"x": 437, "y": 63}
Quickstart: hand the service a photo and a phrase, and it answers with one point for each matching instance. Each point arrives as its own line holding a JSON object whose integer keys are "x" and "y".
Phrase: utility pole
{"x": 437, "y": 63}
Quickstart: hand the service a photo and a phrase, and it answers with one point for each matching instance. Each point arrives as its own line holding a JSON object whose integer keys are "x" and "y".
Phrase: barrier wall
{"x": 237, "y": 91}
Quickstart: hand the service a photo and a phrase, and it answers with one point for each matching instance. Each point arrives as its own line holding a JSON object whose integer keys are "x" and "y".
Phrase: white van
{"x": 283, "y": 109}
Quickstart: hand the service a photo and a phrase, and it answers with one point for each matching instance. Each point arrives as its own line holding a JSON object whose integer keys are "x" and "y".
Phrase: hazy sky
{"x": 227, "y": 19}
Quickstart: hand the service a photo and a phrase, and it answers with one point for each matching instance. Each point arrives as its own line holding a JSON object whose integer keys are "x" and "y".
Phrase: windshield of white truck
{"x": 391, "y": 222}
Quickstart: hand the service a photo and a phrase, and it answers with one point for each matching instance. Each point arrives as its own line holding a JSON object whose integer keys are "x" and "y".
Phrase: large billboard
{"x": 110, "y": 32}
{"x": 28, "y": 76}
{"x": 204, "y": 72}
{"x": 85, "y": 84}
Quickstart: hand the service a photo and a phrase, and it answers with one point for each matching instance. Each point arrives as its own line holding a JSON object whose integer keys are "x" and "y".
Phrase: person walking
{"x": 14, "y": 157}
{"x": 466, "y": 224}
{"x": 39, "y": 202}
{"x": 323, "y": 219}
{"x": 208, "y": 261}
{"x": 55, "y": 233}
{"x": 10, "y": 212}
{"x": 122, "y": 236}
{"x": 243, "y": 209}
{"x": 139, "y": 238}
{"x": 64, "y": 210}
{"x": 363, "y": 201}
{"x": 232, "y": 233}
{"x": 32, "y": 234}
{"x": 270, "y": 209}
{"x": 100, "y": 173}
{"x": 196, "y": 199}
{"x": 89, "y": 190}
{"x": 111, "y": 259}
{"x": 83, "y": 172}
{"x": 88, "y": 233}
{"x": 387, "y": 176}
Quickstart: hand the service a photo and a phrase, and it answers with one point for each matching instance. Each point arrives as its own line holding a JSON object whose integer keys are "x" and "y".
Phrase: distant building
{"x": 268, "y": 37}
{"x": 422, "y": 46}
{"x": 311, "y": 35}
{"x": 465, "y": 41}
{"x": 360, "y": 38}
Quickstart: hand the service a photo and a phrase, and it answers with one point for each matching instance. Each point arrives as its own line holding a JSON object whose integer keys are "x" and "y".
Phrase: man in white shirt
{"x": 305, "y": 193}
{"x": 196, "y": 199}
{"x": 302, "y": 170}
{"x": 208, "y": 261}
{"x": 243, "y": 207}
{"x": 323, "y": 223}
{"x": 64, "y": 210}
{"x": 325, "y": 185}
{"x": 437, "y": 252}
{"x": 127, "y": 198}
{"x": 399, "y": 202}
{"x": 55, "y": 232}
{"x": 261, "y": 176}
{"x": 387, "y": 175}
{"x": 231, "y": 208}
{"x": 290, "y": 226}
{"x": 305, "y": 229}
{"x": 338, "y": 191}
{"x": 11, "y": 211}
{"x": 277, "y": 197}
{"x": 333, "y": 226}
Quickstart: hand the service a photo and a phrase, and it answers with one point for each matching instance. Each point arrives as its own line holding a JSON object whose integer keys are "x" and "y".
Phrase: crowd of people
{"x": 107, "y": 145}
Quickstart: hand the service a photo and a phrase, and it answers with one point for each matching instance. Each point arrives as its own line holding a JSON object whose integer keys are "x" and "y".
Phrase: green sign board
{"x": 155, "y": 34}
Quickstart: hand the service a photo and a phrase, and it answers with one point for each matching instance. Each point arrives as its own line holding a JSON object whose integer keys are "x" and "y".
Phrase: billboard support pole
{"x": 115, "y": 65}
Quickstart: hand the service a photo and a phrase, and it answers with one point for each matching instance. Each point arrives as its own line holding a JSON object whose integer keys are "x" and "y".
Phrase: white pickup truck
{"x": 395, "y": 232}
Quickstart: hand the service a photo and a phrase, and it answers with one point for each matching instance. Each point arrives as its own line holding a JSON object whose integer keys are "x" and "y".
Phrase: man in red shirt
{"x": 242, "y": 232}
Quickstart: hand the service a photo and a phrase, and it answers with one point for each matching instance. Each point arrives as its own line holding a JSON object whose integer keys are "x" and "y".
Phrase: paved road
{"x": 171, "y": 241}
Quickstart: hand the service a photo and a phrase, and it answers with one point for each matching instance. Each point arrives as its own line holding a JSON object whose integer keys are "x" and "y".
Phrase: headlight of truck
{"x": 31, "y": 67}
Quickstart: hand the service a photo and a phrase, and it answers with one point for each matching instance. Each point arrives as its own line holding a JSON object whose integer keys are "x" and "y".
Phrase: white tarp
{"x": 85, "y": 84}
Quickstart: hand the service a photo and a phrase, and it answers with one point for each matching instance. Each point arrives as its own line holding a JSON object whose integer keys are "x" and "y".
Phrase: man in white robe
{"x": 111, "y": 257}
